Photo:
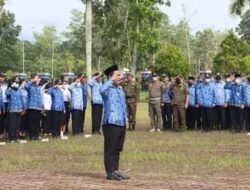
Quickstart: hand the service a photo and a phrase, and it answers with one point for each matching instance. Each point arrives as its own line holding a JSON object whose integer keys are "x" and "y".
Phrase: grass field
{"x": 150, "y": 155}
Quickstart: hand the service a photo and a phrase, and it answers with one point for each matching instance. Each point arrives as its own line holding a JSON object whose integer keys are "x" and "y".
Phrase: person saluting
{"x": 114, "y": 122}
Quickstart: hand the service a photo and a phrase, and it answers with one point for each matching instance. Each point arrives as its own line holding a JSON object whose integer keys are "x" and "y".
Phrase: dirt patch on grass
{"x": 52, "y": 181}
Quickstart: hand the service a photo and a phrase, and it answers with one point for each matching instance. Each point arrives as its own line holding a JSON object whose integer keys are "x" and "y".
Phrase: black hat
{"x": 110, "y": 70}
{"x": 79, "y": 75}
{"x": 98, "y": 74}
{"x": 218, "y": 77}
{"x": 58, "y": 82}
{"x": 191, "y": 78}
{"x": 14, "y": 79}
{"x": 227, "y": 75}
{"x": 2, "y": 74}
{"x": 237, "y": 75}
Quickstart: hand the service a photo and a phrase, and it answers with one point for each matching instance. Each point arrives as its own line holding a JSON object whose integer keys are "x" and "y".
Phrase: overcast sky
{"x": 33, "y": 15}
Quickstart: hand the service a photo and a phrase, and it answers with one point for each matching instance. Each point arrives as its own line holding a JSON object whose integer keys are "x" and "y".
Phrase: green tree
{"x": 233, "y": 56}
{"x": 171, "y": 60}
{"x": 237, "y": 6}
{"x": 8, "y": 40}
{"x": 205, "y": 48}
{"x": 244, "y": 29}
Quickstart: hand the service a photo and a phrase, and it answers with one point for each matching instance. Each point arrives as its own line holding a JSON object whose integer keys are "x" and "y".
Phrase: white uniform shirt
{"x": 66, "y": 93}
{"x": 47, "y": 101}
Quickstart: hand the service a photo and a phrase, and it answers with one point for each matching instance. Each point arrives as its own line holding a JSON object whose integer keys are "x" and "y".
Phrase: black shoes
{"x": 123, "y": 177}
{"x": 113, "y": 176}
{"x": 117, "y": 176}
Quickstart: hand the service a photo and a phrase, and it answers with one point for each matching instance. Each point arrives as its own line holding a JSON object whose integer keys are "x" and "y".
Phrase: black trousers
{"x": 167, "y": 115}
{"x": 114, "y": 137}
{"x": 191, "y": 117}
{"x": 96, "y": 113}
{"x": 228, "y": 118}
{"x": 247, "y": 118}
{"x": 66, "y": 116}
{"x": 220, "y": 117}
{"x": 199, "y": 118}
{"x": 237, "y": 118}
{"x": 24, "y": 123}
{"x": 77, "y": 121}
{"x": 47, "y": 122}
{"x": 34, "y": 117}
{"x": 207, "y": 118}
{"x": 3, "y": 124}
{"x": 57, "y": 123}
{"x": 83, "y": 119}
{"x": 14, "y": 121}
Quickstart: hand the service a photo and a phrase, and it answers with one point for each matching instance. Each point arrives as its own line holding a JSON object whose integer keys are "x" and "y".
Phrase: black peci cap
{"x": 191, "y": 78}
{"x": 110, "y": 70}
{"x": 237, "y": 75}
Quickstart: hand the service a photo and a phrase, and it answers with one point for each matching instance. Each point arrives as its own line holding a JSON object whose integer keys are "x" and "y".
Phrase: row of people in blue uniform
{"x": 219, "y": 102}
{"x": 23, "y": 105}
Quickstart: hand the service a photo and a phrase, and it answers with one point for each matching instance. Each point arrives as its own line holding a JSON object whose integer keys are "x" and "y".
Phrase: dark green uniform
{"x": 179, "y": 112}
{"x": 132, "y": 94}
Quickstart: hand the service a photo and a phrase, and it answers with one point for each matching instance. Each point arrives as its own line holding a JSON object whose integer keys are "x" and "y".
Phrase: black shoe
{"x": 123, "y": 177}
{"x": 113, "y": 176}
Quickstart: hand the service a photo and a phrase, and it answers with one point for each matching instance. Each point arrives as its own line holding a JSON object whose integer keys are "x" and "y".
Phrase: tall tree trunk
{"x": 88, "y": 37}
{"x": 135, "y": 51}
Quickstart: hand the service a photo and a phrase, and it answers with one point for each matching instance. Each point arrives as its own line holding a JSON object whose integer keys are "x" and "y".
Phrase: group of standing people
{"x": 29, "y": 108}
{"x": 207, "y": 103}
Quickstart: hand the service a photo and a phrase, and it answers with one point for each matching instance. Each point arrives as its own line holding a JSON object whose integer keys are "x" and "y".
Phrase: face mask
{"x": 78, "y": 84}
{"x": 207, "y": 80}
{"x": 154, "y": 79}
{"x": 228, "y": 80}
{"x": 237, "y": 81}
{"x": 15, "y": 85}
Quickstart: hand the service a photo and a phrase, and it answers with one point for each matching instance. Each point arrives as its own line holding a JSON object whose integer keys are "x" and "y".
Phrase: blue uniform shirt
{"x": 206, "y": 95}
{"x": 84, "y": 94}
{"x": 198, "y": 86}
{"x": 15, "y": 99}
{"x": 167, "y": 94}
{"x": 96, "y": 96}
{"x": 57, "y": 99}
{"x": 247, "y": 94}
{"x": 228, "y": 92}
{"x": 35, "y": 100}
{"x": 24, "y": 95}
{"x": 237, "y": 93}
{"x": 192, "y": 95}
{"x": 76, "y": 96}
{"x": 1, "y": 100}
{"x": 115, "y": 108}
{"x": 219, "y": 93}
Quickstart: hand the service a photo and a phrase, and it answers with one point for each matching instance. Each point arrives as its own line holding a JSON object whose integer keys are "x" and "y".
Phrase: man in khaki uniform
{"x": 131, "y": 92}
{"x": 180, "y": 104}
{"x": 155, "y": 91}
